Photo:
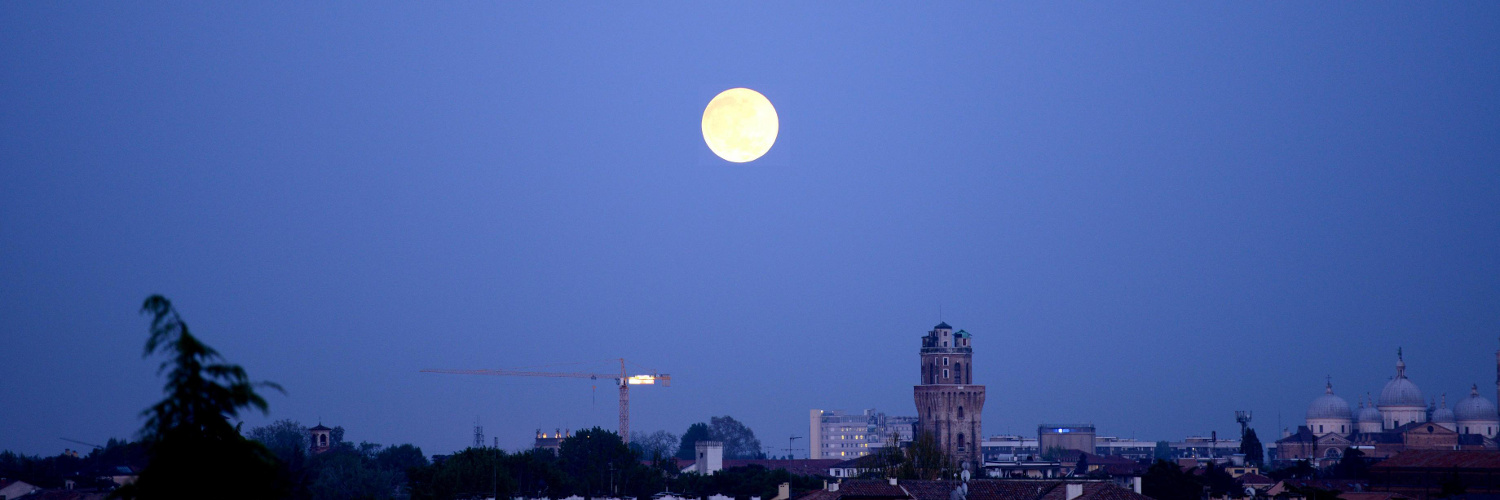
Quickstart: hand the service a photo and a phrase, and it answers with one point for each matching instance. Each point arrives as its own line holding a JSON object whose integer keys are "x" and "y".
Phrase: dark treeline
{"x": 189, "y": 448}
{"x": 89, "y": 470}
{"x": 591, "y": 463}
{"x": 345, "y": 470}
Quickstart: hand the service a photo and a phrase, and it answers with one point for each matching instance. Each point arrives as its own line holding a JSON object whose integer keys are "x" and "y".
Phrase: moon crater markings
{"x": 740, "y": 125}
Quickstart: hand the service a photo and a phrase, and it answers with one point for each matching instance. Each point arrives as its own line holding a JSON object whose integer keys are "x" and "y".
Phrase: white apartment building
{"x": 835, "y": 434}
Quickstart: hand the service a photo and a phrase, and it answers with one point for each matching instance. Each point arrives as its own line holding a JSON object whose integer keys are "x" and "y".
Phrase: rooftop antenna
{"x": 478, "y": 434}
{"x": 1243, "y": 417}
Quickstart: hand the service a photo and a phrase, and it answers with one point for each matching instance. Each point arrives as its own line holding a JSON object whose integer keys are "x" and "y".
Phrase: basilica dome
{"x": 1443, "y": 416}
{"x": 1368, "y": 413}
{"x": 1475, "y": 408}
{"x": 1329, "y": 406}
{"x": 1400, "y": 391}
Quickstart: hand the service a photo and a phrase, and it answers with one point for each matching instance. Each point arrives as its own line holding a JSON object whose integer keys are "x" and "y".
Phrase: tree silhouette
{"x": 194, "y": 451}
{"x": 687, "y": 449}
{"x": 1168, "y": 481}
{"x": 739, "y": 441}
{"x": 1251, "y": 447}
{"x": 926, "y": 460}
{"x": 1352, "y": 465}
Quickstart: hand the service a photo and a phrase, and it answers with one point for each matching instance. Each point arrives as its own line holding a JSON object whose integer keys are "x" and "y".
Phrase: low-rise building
{"x": 12, "y": 488}
{"x": 551, "y": 441}
{"x": 974, "y": 489}
{"x": 1005, "y": 448}
{"x": 858, "y": 466}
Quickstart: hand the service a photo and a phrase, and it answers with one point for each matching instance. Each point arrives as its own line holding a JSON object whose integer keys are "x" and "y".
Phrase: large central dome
{"x": 1400, "y": 391}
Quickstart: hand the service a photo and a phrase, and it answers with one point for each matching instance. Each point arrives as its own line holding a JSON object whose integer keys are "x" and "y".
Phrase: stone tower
{"x": 321, "y": 441}
{"x": 948, "y": 404}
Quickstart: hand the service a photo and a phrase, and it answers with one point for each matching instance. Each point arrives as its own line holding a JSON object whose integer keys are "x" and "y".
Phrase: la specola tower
{"x": 949, "y": 405}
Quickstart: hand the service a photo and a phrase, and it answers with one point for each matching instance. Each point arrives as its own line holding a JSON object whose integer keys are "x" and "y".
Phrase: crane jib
{"x": 623, "y": 379}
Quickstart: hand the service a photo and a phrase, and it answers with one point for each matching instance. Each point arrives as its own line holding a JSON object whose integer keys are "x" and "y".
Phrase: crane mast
{"x": 623, "y": 379}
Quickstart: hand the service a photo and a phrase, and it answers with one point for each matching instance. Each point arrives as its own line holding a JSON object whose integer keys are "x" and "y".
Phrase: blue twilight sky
{"x": 1149, "y": 215}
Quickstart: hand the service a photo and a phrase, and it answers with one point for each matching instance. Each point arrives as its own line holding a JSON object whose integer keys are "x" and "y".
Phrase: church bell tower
{"x": 949, "y": 405}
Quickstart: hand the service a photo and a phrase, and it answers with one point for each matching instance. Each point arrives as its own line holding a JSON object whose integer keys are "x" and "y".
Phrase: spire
{"x": 1445, "y": 400}
{"x": 1328, "y": 389}
{"x": 1400, "y": 364}
{"x": 1474, "y": 391}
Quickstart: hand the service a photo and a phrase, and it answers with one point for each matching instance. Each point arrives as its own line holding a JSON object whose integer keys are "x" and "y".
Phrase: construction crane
{"x": 82, "y": 443}
{"x": 623, "y": 379}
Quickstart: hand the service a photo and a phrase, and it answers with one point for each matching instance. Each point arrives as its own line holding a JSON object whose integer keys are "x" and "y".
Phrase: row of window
{"x": 1488, "y": 431}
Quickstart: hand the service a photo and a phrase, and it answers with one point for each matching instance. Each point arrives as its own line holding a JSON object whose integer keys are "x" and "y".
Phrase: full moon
{"x": 740, "y": 125}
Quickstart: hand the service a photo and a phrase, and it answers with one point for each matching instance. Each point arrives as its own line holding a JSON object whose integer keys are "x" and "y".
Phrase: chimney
{"x": 783, "y": 491}
{"x": 833, "y": 487}
{"x": 1135, "y": 484}
{"x": 893, "y": 481}
{"x": 1075, "y": 490}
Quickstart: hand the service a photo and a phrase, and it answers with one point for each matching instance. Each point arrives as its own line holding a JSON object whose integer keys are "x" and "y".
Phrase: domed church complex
{"x": 1399, "y": 420}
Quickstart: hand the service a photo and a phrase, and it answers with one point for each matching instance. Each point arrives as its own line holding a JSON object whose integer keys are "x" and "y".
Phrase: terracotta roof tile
{"x": 1444, "y": 459}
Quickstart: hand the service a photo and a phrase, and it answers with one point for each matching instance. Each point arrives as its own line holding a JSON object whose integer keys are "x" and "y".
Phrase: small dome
{"x": 1400, "y": 391}
{"x": 1329, "y": 406}
{"x": 1475, "y": 408}
{"x": 1443, "y": 415}
{"x": 1368, "y": 413}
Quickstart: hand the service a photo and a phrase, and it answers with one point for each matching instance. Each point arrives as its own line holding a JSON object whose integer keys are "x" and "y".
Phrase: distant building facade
{"x": 1009, "y": 448}
{"x": 835, "y": 434}
{"x": 551, "y": 441}
{"x": 1065, "y": 437}
{"x": 949, "y": 405}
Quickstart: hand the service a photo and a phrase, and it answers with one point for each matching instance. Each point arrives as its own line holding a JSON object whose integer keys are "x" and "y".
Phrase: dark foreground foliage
{"x": 193, "y": 450}
{"x": 189, "y": 448}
